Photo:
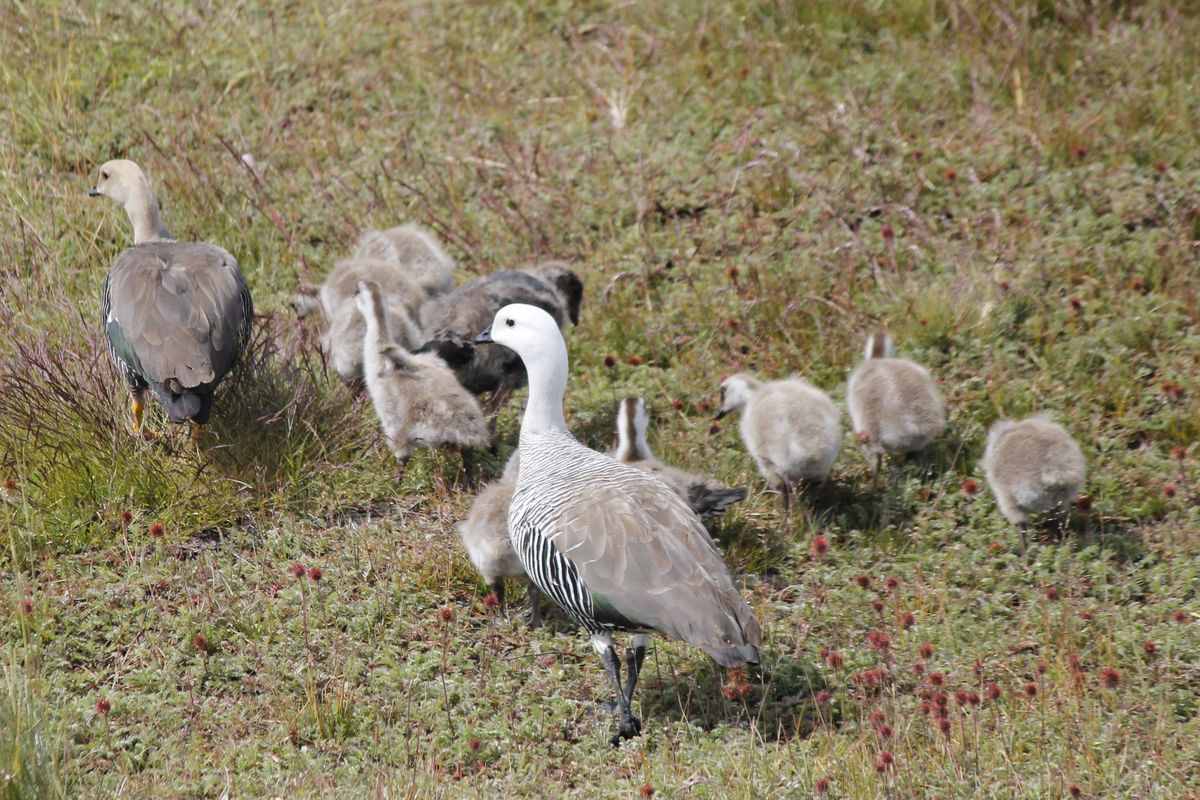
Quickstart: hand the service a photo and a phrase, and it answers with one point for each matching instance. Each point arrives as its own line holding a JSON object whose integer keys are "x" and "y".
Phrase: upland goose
{"x": 894, "y": 403}
{"x": 613, "y": 545}
{"x": 451, "y": 321}
{"x": 484, "y": 534}
{"x": 177, "y": 314}
{"x": 706, "y": 497}
{"x": 417, "y": 398}
{"x": 1032, "y": 466}
{"x": 791, "y": 429}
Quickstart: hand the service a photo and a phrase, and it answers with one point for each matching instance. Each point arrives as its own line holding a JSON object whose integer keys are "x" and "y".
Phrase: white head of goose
{"x": 177, "y": 314}
{"x": 614, "y": 546}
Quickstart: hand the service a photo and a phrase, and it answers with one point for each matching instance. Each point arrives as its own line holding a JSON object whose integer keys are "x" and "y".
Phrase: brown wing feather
{"x": 640, "y": 547}
{"x": 181, "y": 309}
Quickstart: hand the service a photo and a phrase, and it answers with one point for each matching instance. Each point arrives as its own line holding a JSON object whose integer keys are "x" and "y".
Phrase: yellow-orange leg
{"x": 197, "y": 429}
{"x": 138, "y": 409}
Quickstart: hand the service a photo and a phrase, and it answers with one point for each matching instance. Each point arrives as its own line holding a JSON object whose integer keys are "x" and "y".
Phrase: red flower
{"x": 820, "y": 546}
{"x": 1169, "y": 490}
{"x": 969, "y": 487}
{"x": 445, "y": 614}
{"x": 315, "y": 573}
{"x": 1076, "y": 662}
{"x": 885, "y": 731}
{"x": 714, "y": 428}
{"x": 1083, "y": 504}
{"x": 157, "y": 530}
{"x": 951, "y": 173}
{"x": 1179, "y": 452}
{"x": 960, "y": 697}
{"x": 1079, "y": 151}
{"x": 944, "y": 725}
{"x": 862, "y": 437}
{"x": 646, "y": 791}
{"x": 888, "y": 233}
{"x": 1075, "y": 303}
{"x": 863, "y": 582}
{"x": 1149, "y": 648}
{"x": 677, "y": 405}
{"x": 1181, "y": 617}
{"x": 892, "y": 583}
{"x": 1004, "y": 286}
{"x": 822, "y": 785}
{"x": 474, "y": 745}
{"x": 925, "y": 650}
{"x": 918, "y": 668}
{"x": 1042, "y": 668}
{"x": 126, "y": 518}
{"x": 1075, "y": 791}
{"x": 10, "y": 484}
{"x": 27, "y": 606}
{"x": 1110, "y": 678}
{"x": 103, "y": 706}
{"x": 634, "y": 360}
{"x": 907, "y": 620}
{"x": 732, "y": 272}
{"x": 937, "y": 678}
{"x": 822, "y": 697}
{"x": 200, "y": 643}
{"x": 884, "y": 761}
{"x": 992, "y": 692}
{"x": 877, "y": 718}
{"x": 704, "y": 406}
{"x": 491, "y": 602}
{"x": 879, "y": 641}
{"x": 549, "y": 661}
{"x": 877, "y": 606}
{"x": 298, "y": 570}
{"x": 1161, "y": 166}
{"x": 1051, "y": 592}
{"x": 835, "y": 660}
{"x": 733, "y": 322}
{"x": 1031, "y": 690}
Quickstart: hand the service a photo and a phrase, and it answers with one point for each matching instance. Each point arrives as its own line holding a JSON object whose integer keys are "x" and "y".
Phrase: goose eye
{"x": 103, "y": 176}
{"x": 509, "y": 322}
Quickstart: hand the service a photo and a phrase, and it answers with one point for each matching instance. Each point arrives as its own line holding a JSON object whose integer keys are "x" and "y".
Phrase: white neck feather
{"x": 547, "y": 368}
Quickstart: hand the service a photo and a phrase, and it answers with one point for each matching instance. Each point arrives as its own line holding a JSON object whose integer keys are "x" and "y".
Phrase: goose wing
{"x": 177, "y": 312}
{"x": 649, "y": 563}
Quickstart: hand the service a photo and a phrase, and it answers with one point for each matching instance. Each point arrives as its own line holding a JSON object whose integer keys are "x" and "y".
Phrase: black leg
{"x": 628, "y": 726}
{"x": 535, "y": 605}
{"x": 634, "y": 656}
{"x": 785, "y": 487}
{"x": 497, "y": 587}
{"x": 1021, "y": 526}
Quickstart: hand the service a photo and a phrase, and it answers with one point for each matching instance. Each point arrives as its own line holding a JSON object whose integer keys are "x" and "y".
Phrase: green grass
{"x": 1010, "y": 187}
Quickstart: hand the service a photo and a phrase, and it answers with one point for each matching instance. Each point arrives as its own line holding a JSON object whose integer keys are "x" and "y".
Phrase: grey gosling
{"x": 418, "y": 400}
{"x": 894, "y": 403}
{"x": 451, "y": 321}
{"x": 706, "y": 497}
{"x": 613, "y": 546}
{"x": 484, "y": 534}
{"x": 1032, "y": 466}
{"x": 415, "y": 251}
{"x": 177, "y": 315}
{"x": 791, "y": 429}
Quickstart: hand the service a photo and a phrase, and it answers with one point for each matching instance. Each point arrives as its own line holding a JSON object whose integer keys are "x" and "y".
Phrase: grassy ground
{"x": 1010, "y": 187}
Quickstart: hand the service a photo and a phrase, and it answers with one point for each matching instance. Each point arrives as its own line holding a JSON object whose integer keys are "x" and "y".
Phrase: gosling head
{"x": 632, "y": 423}
{"x": 736, "y": 391}
{"x": 879, "y": 345}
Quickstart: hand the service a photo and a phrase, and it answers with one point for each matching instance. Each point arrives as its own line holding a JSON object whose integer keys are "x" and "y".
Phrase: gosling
{"x": 419, "y": 401}
{"x": 791, "y": 429}
{"x": 1032, "y": 466}
{"x": 894, "y": 403}
{"x": 706, "y": 497}
{"x": 415, "y": 251}
{"x": 484, "y": 534}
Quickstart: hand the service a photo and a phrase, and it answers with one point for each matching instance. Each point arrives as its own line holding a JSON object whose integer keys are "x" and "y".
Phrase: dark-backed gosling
{"x": 415, "y": 251}
{"x": 177, "y": 314}
{"x": 484, "y": 533}
{"x": 1032, "y": 466}
{"x": 706, "y": 497}
{"x": 894, "y": 403}
{"x": 451, "y": 322}
{"x": 418, "y": 400}
{"x": 613, "y": 546}
{"x": 791, "y": 429}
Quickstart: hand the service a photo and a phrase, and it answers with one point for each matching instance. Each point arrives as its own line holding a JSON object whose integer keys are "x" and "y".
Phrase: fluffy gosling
{"x": 791, "y": 429}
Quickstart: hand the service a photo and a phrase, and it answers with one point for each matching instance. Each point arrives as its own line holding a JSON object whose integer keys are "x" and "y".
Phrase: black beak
{"x": 720, "y": 414}
{"x": 93, "y": 192}
{"x": 485, "y": 337}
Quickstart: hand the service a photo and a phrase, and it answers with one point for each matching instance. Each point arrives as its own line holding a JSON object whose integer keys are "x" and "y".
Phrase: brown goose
{"x": 177, "y": 314}
{"x": 616, "y": 548}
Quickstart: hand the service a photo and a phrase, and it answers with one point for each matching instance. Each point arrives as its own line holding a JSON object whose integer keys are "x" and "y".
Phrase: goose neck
{"x": 547, "y": 386}
{"x": 148, "y": 226}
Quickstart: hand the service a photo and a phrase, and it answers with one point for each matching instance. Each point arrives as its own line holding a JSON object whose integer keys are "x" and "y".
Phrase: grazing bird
{"x": 706, "y": 497}
{"x": 613, "y": 545}
{"x": 894, "y": 403}
{"x": 177, "y": 314}
{"x": 484, "y": 533}
{"x": 1032, "y": 466}
{"x": 415, "y": 251}
{"x": 451, "y": 321}
{"x": 410, "y": 268}
{"x": 792, "y": 430}
{"x": 417, "y": 398}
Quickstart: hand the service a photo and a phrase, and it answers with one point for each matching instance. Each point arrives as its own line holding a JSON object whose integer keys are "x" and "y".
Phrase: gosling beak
{"x": 721, "y": 414}
{"x": 485, "y": 337}
{"x": 93, "y": 192}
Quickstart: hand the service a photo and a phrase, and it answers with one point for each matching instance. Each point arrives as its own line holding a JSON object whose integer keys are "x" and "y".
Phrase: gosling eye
{"x": 509, "y": 322}
{"x": 103, "y": 176}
